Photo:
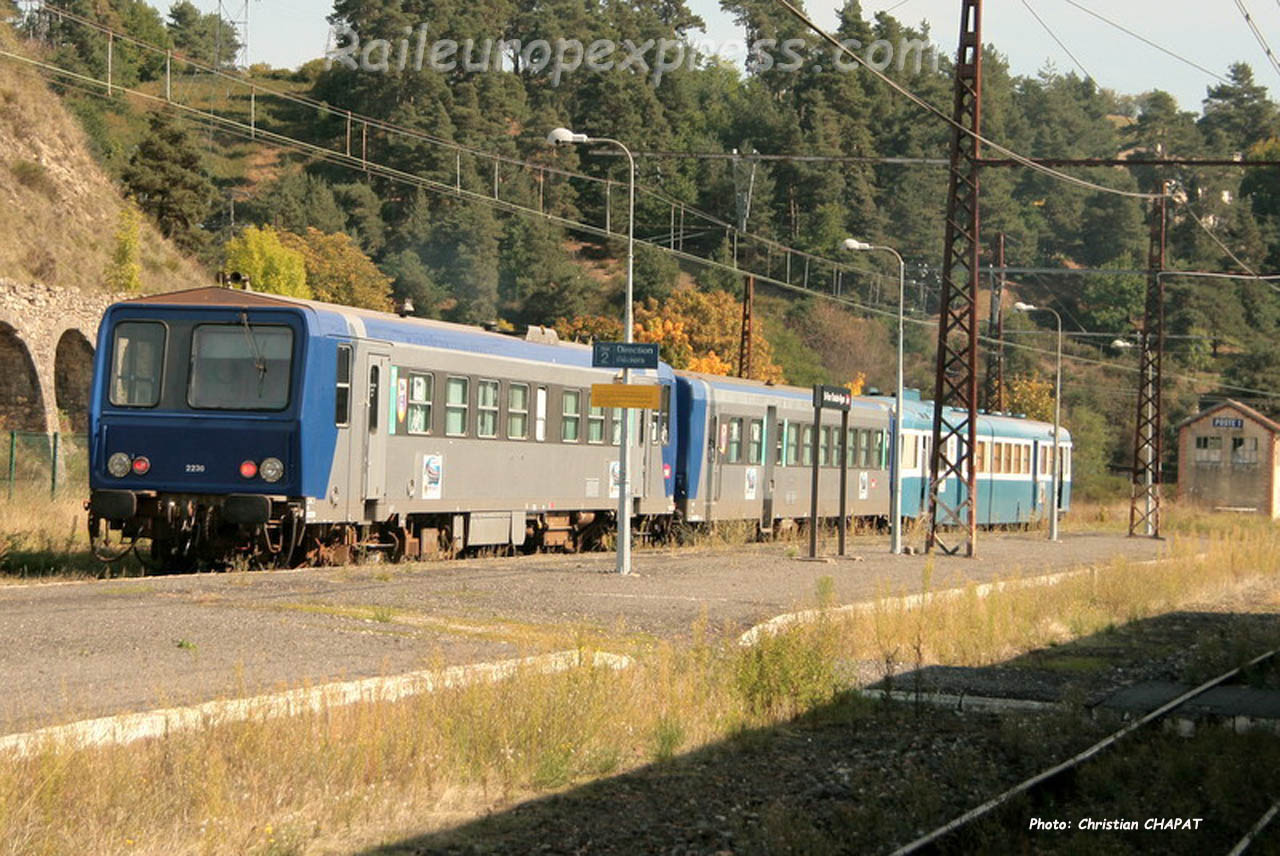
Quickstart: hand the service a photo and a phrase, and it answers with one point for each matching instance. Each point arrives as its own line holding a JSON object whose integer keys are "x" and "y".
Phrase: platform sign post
{"x": 626, "y": 356}
{"x": 830, "y": 398}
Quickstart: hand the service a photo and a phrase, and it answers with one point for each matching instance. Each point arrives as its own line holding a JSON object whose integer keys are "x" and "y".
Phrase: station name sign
{"x": 1227, "y": 422}
{"x": 638, "y": 396}
{"x": 832, "y": 397}
{"x": 624, "y": 355}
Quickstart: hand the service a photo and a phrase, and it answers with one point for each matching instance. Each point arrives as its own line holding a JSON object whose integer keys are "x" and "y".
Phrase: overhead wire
{"x": 349, "y": 161}
{"x": 1060, "y": 44}
{"x": 951, "y": 122}
{"x": 1148, "y": 42}
{"x": 1257, "y": 34}
{"x": 413, "y": 133}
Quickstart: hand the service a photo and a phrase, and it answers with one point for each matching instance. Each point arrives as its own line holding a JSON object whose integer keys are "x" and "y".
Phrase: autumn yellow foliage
{"x": 695, "y": 330}
{"x": 1031, "y": 395}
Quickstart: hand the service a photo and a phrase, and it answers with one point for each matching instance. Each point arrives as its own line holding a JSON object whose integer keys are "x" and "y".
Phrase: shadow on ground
{"x": 863, "y": 774}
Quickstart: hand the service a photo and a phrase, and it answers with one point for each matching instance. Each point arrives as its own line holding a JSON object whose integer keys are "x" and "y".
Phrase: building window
{"x": 571, "y": 415}
{"x": 1244, "y": 452}
{"x": 455, "y": 406}
{"x": 595, "y": 425}
{"x": 342, "y": 397}
{"x": 487, "y": 408}
{"x": 1208, "y": 450}
{"x": 421, "y": 391}
{"x": 518, "y": 411}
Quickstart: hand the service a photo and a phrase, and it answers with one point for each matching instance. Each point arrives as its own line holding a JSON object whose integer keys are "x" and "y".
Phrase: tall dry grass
{"x": 347, "y": 776}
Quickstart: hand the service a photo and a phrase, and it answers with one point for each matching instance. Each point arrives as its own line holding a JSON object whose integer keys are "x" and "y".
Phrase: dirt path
{"x": 76, "y": 650}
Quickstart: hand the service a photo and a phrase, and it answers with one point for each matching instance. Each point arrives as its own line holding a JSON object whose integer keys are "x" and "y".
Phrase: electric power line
{"x": 1179, "y": 57}
{"x": 936, "y": 111}
{"x": 1058, "y": 41}
{"x": 1257, "y": 34}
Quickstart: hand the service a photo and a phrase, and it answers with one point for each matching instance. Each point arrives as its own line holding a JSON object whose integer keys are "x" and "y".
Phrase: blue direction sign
{"x": 624, "y": 355}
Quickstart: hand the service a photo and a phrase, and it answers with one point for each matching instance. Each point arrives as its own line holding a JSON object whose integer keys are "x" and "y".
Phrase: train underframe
{"x": 182, "y": 532}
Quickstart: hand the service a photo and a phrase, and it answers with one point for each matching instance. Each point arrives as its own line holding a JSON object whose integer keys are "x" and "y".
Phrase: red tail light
{"x": 141, "y": 465}
{"x": 666, "y": 471}
{"x": 248, "y": 469}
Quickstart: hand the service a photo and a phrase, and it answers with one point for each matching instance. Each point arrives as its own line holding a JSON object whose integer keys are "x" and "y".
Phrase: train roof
{"x": 357, "y": 322}
{"x": 781, "y": 391}
{"x": 918, "y": 415}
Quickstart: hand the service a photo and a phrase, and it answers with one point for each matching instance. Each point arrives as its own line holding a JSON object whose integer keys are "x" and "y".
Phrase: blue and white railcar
{"x": 227, "y": 422}
{"x": 1013, "y": 461}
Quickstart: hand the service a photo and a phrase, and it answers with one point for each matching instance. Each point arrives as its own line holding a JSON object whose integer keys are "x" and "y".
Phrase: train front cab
{"x": 195, "y": 424}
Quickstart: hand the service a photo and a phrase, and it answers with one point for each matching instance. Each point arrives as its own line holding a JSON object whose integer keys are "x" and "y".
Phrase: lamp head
{"x": 1024, "y": 307}
{"x": 855, "y": 244}
{"x": 1121, "y": 344}
{"x": 565, "y": 137}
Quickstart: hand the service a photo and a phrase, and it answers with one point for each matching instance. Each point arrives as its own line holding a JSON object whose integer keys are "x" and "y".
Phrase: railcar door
{"x": 377, "y": 366}
{"x": 769, "y": 459}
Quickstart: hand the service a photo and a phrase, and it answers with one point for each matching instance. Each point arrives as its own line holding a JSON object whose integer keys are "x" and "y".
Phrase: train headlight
{"x": 271, "y": 469}
{"x": 119, "y": 465}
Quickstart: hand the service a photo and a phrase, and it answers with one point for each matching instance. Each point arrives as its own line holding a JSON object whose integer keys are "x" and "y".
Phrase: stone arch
{"x": 72, "y": 378}
{"x": 22, "y": 405}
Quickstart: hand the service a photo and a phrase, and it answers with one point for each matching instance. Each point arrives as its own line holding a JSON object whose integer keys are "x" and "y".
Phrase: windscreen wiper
{"x": 258, "y": 362}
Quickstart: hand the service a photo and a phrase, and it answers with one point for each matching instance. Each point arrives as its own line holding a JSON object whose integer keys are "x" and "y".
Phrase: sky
{"x": 289, "y": 32}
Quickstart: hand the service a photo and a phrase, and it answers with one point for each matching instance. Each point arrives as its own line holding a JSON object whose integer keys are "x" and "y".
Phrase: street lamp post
{"x": 895, "y": 480}
{"x": 565, "y": 137}
{"x": 1057, "y": 419}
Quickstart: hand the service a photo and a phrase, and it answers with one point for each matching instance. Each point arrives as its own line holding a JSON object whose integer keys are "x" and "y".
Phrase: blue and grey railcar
{"x": 227, "y": 423}
{"x": 747, "y": 449}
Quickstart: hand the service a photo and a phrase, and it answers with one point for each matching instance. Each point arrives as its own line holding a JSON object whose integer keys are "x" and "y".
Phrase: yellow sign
{"x": 646, "y": 396}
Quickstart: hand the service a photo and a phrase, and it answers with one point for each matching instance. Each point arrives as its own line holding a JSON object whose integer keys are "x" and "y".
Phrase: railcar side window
{"x": 877, "y": 450}
{"x": 837, "y": 450}
{"x": 137, "y": 362}
{"x": 595, "y": 425}
{"x": 373, "y": 399}
{"x": 982, "y": 456}
{"x": 240, "y": 366}
{"x": 571, "y": 415}
{"x": 755, "y": 447}
{"x": 911, "y": 452}
{"x": 793, "y": 445}
{"x": 806, "y": 446}
{"x": 342, "y": 391}
{"x": 779, "y": 447}
{"x": 422, "y": 388}
{"x": 487, "y": 408}
{"x": 824, "y": 446}
{"x": 615, "y": 423}
{"x": 455, "y": 406}
{"x": 540, "y": 415}
{"x": 518, "y": 411}
{"x": 1008, "y": 458}
{"x": 735, "y": 441}
{"x": 864, "y": 448}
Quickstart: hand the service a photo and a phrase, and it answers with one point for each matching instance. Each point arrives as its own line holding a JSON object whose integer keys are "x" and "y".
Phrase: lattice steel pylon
{"x": 955, "y": 402}
{"x": 1148, "y": 440}
{"x": 995, "y": 330}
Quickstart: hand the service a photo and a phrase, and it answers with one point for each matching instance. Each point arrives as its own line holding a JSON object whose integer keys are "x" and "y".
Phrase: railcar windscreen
{"x": 137, "y": 360}
{"x": 240, "y": 367}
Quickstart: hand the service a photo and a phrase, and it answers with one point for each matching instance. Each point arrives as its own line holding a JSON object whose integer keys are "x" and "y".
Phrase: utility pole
{"x": 1148, "y": 442}
{"x": 995, "y": 329}
{"x": 742, "y": 196}
{"x": 952, "y": 476}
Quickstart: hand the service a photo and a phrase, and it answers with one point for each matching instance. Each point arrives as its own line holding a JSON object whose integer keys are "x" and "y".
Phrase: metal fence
{"x": 34, "y": 462}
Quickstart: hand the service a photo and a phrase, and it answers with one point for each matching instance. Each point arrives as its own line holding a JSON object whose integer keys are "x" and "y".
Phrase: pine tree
{"x": 165, "y": 175}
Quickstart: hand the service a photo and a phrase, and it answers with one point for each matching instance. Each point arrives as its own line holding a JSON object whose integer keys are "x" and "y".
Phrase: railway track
{"x": 945, "y": 837}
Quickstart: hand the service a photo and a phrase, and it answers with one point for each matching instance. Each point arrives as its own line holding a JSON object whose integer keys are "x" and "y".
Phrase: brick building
{"x": 1229, "y": 459}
